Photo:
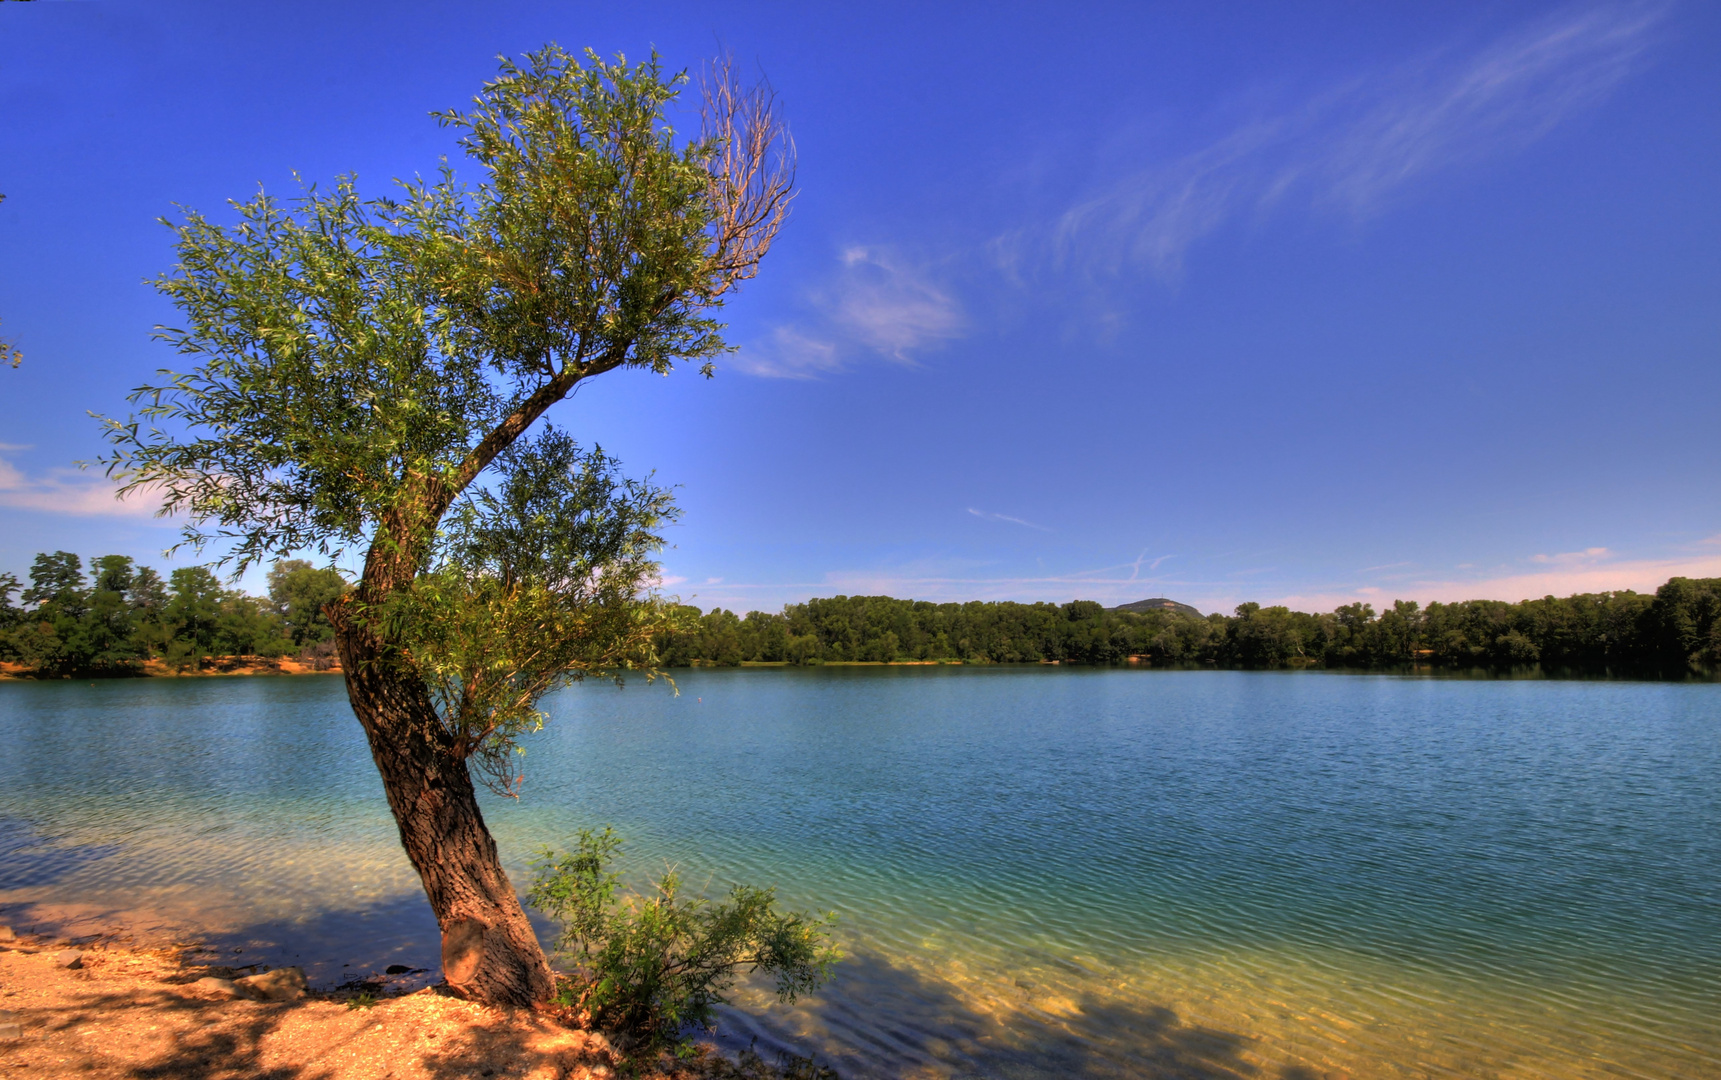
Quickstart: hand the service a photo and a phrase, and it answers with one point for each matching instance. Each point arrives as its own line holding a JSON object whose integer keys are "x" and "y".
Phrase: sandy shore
{"x": 136, "y": 1013}
{"x": 220, "y": 665}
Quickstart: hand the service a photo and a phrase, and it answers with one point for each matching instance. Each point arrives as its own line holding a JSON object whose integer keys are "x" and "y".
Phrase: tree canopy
{"x": 359, "y": 363}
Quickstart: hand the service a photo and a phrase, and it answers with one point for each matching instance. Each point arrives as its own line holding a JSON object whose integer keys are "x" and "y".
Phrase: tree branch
{"x": 752, "y": 171}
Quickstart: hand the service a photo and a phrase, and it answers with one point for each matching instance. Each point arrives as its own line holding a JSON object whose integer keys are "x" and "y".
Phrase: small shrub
{"x": 362, "y": 1000}
{"x": 650, "y": 966}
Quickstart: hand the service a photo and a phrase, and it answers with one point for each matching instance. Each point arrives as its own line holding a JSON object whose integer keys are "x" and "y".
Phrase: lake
{"x": 1037, "y": 872}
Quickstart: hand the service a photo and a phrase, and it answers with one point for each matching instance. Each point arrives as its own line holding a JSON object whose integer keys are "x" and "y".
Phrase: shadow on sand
{"x": 110, "y": 1024}
{"x": 334, "y": 946}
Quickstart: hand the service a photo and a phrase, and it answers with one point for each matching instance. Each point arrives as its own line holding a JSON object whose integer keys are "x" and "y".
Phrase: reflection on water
{"x": 1038, "y": 873}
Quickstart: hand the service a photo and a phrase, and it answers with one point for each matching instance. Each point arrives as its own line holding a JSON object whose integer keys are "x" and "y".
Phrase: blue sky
{"x": 1287, "y": 302}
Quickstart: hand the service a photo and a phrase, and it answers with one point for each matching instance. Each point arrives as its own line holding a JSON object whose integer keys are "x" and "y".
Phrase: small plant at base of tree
{"x": 650, "y": 967}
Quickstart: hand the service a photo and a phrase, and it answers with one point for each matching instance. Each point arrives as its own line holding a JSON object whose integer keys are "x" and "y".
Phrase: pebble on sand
{"x": 282, "y": 984}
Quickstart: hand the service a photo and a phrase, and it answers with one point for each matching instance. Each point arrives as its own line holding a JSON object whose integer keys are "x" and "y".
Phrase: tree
{"x": 106, "y": 640}
{"x": 148, "y": 598}
{"x": 192, "y": 614}
{"x": 298, "y": 592}
{"x": 54, "y": 607}
{"x": 366, "y": 373}
{"x": 10, "y": 617}
{"x": 57, "y": 579}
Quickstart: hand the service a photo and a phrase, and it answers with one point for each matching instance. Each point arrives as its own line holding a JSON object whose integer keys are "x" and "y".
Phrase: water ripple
{"x": 1038, "y": 873}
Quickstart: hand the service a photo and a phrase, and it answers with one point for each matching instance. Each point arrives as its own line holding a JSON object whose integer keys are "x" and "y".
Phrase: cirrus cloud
{"x": 876, "y": 303}
{"x": 71, "y": 491}
{"x": 1354, "y": 146}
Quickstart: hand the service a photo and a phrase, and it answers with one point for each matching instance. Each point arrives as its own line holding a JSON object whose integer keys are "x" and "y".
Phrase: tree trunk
{"x": 489, "y": 951}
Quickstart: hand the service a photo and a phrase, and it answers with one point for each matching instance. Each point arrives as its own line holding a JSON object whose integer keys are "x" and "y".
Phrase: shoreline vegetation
{"x": 126, "y": 620}
{"x": 1674, "y": 632}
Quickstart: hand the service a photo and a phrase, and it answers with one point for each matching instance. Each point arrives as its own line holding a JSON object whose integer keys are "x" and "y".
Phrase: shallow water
{"x": 1037, "y": 872}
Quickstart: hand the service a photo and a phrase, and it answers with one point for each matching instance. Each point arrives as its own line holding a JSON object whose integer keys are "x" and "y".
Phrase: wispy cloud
{"x": 1593, "y": 569}
{"x": 1586, "y": 557}
{"x": 70, "y": 491}
{"x": 788, "y": 353}
{"x": 892, "y": 307}
{"x": 1135, "y": 567}
{"x": 876, "y": 302}
{"x": 1354, "y": 146}
{"x": 989, "y": 516}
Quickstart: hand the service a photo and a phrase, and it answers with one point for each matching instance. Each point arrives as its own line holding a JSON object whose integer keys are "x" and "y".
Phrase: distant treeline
{"x": 1670, "y": 632}
{"x": 121, "y": 615}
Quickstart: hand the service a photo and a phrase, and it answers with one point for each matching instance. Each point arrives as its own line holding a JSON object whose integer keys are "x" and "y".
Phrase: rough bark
{"x": 489, "y": 951}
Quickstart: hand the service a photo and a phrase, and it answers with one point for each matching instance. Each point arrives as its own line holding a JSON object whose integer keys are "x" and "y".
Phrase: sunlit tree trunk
{"x": 489, "y": 950}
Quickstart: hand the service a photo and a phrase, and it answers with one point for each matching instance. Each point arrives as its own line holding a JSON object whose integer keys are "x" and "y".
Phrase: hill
{"x": 1159, "y": 603}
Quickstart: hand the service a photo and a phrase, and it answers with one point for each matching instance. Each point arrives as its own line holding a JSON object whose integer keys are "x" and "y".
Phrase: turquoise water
{"x": 1037, "y": 872}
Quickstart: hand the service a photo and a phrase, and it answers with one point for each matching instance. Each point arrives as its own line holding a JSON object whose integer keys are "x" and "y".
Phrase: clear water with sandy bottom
{"x": 1037, "y": 873}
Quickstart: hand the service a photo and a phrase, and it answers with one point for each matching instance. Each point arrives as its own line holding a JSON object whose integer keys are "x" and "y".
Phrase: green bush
{"x": 650, "y": 966}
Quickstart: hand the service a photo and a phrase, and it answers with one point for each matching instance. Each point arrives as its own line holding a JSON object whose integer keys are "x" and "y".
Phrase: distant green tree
{"x": 11, "y": 617}
{"x": 149, "y": 605}
{"x": 249, "y": 626}
{"x": 106, "y": 638}
{"x": 1270, "y": 636}
{"x": 54, "y": 605}
{"x": 57, "y": 579}
{"x": 192, "y": 614}
{"x": 299, "y": 593}
{"x": 1683, "y": 624}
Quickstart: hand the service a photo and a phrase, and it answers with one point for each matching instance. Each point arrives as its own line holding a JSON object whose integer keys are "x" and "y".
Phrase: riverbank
{"x": 124, "y": 1012}
{"x": 219, "y": 665}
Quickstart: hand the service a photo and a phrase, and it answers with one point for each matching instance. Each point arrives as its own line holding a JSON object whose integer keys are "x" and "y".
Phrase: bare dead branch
{"x": 751, "y": 167}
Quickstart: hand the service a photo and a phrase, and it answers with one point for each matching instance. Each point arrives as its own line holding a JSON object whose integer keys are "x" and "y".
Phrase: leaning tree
{"x": 372, "y": 373}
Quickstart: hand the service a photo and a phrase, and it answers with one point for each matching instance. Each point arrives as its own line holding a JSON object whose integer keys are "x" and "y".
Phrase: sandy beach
{"x": 129, "y": 1012}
